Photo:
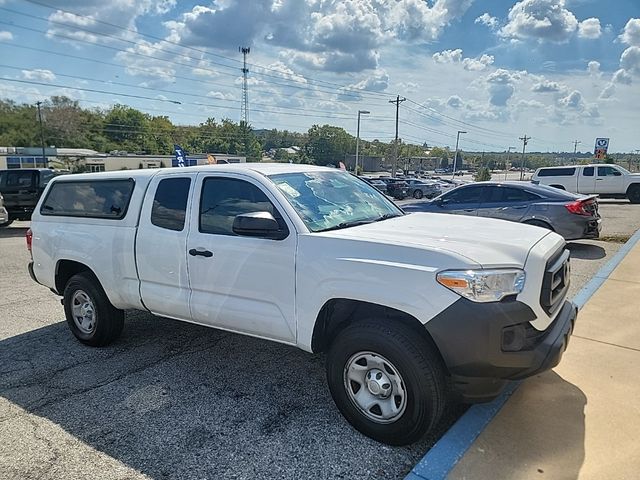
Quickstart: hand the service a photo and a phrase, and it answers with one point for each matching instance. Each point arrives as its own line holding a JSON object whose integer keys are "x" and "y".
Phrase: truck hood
{"x": 485, "y": 241}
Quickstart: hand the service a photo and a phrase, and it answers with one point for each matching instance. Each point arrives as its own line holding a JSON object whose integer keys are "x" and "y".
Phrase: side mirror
{"x": 438, "y": 201}
{"x": 258, "y": 224}
{"x": 617, "y": 173}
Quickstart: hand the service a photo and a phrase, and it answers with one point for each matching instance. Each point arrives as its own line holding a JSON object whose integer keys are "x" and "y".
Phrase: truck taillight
{"x": 29, "y": 237}
{"x": 577, "y": 207}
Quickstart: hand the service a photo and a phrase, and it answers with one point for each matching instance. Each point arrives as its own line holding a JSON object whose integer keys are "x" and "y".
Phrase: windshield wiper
{"x": 386, "y": 216}
{"x": 342, "y": 225}
{"x": 355, "y": 223}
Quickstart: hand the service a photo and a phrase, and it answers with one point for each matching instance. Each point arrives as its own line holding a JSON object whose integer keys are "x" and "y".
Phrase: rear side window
{"x": 89, "y": 199}
{"x": 170, "y": 203}
{"x": 556, "y": 172}
{"x": 510, "y": 195}
{"x": 587, "y": 172}
{"x": 19, "y": 179}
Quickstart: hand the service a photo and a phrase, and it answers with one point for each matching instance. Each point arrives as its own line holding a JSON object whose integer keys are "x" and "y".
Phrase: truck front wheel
{"x": 633, "y": 194}
{"x": 387, "y": 381}
{"x": 90, "y": 315}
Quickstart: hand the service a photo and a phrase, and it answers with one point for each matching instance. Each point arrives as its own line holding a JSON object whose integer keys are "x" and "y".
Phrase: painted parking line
{"x": 447, "y": 452}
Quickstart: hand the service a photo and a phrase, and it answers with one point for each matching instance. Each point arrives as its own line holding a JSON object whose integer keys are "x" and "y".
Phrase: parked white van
{"x": 411, "y": 310}
{"x": 608, "y": 181}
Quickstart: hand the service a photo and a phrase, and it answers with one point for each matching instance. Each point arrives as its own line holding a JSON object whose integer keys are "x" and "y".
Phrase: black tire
{"x": 108, "y": 321}
{"x": 539, "y": 223}
{"x": 559, "y": 187}
{"x": 417, "y": 194}
{"x": 633, "y": 194}
{"x": 418, "y": 365}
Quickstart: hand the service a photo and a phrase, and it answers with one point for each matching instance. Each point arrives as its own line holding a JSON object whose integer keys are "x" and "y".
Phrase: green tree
{"x": 328, "y": 144}
{"x": 126, "y": 126}
{"x": 482, "y": 175}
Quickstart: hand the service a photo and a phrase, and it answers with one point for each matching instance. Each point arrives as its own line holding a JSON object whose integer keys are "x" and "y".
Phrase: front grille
{"x": 555, "y": 282}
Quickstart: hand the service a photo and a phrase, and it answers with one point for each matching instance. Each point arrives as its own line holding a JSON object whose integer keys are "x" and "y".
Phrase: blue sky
{"x": 557, "y": 70}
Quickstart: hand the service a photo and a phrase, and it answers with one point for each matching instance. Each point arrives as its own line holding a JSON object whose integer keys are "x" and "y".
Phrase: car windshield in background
{"x": 333, "y": 200}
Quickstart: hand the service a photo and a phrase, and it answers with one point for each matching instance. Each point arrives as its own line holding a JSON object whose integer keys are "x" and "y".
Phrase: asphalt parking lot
{"x": 174, "y": 400}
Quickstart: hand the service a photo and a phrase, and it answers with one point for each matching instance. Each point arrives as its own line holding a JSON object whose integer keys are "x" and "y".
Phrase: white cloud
{"x": 378, "y": 81}
{"x": 478, "y": 64}
{"x": 500, "y": 86}
{"x": 221, "y": 95}
{"x": 334, "y": 36}
{"x": 622, "y": 76}
{"x": 455, "y": 56}
{"x": 488, "y": 20}
{"x": 543, "y": 20}
{"x": 547, "y": 86}
{"x": 5, "y": 35}
{"x": 589, "y": 28}
{"x": 608, "y": 91}
{"x": 631, "y": 33}
{"x": 630, "y": 60}
{"x": 573, "y": 101}
{"x": 448, "y": 56}
{"x": 529, "y": 104}
{"x": 39, "y": 75}
{"x": 593, "y": 67}
{"x": 454, "y": 101}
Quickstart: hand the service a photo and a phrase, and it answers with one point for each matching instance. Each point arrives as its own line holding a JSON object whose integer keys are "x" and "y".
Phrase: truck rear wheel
{"x": 633, "y": 194}
{"x": 90, "y": 315}
{"x": 387, "y": 381}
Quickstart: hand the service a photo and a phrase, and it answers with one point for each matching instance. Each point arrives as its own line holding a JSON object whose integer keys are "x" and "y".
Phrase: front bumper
{"x": 486, "y": 345}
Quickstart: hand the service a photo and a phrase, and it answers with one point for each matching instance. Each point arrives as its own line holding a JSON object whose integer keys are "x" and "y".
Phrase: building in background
{"x": 85, "y": 160}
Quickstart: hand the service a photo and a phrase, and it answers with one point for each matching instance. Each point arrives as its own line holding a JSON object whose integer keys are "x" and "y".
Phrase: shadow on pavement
{"x": 586, "y": 251}
{"x": 13, "y": 232}
{"x": 174, "y": 400}
{"x": 539, "y": 433}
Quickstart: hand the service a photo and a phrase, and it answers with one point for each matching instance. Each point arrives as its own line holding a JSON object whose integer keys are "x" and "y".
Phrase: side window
{"x": 89, "y": 198}
{"x": 464, "y": 195}
{"x": 557, "y": 172}
{"x": 18, "y": 179}
{"x": 587, "y": 172}
{"x": 170, "y": 203}
{"x": 222, "y": 199}
{"x": 510, "y": 195}
{"x": 608, "y": 172}
{"x": 45, "y": 176}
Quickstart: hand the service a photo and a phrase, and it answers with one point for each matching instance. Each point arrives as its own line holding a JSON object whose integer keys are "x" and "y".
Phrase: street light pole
{"x": 44, "y": 158}
{"x": 363, "y": 112}
{"x": 455, "y": 159}
{"x": 506, "y": 169}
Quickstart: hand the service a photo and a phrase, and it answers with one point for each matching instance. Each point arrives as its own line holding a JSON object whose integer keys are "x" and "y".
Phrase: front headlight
{"x": 483, "y": 285}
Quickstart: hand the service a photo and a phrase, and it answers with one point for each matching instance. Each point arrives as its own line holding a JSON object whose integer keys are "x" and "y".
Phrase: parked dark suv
{"x": 21, "y": 189}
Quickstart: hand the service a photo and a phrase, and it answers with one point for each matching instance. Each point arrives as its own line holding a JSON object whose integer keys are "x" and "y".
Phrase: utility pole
{"x": 525, "y": 140}
{"x": 575, "y": 146}
{"x": 44, "y": 158}
{"x": 455, "y": 158}
{"x": 360, "y": 112}
{"x": 244, "y": 108}
{"x": 397, "y": 101}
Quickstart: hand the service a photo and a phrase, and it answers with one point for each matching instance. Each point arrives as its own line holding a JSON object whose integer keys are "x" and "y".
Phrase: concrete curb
{"x": 447, "y": 452}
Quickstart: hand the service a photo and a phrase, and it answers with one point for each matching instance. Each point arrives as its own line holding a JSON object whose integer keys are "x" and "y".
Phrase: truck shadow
{"x": 13, "y": 232}
{"x": 586, "y": 251}
{"x": 540, "y": 432}
{"x": 173, "y": 400}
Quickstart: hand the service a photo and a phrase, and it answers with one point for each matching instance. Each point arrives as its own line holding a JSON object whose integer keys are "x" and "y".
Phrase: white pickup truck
{"x": 608, "y": 181}
{"x": 412, "y": 310}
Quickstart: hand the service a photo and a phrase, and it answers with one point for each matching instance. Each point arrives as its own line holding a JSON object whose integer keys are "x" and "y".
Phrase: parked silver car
{"x": 422, "y": 188}
{"x": 570, "y": 215}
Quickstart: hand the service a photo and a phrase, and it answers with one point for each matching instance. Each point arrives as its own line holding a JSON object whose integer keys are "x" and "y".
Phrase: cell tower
{"x": 244, "y": 108}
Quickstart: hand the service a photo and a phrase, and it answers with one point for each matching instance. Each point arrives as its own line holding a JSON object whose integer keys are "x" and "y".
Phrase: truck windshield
{"x": 333, "y": 200}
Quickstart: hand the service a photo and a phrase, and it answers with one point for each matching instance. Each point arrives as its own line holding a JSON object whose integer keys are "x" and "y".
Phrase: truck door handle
{"x": 599, "y": 179}
{"x": 200, "y": 253}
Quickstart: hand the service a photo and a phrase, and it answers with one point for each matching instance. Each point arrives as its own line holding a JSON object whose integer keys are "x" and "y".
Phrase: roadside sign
{"x": 602, "y": 145}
